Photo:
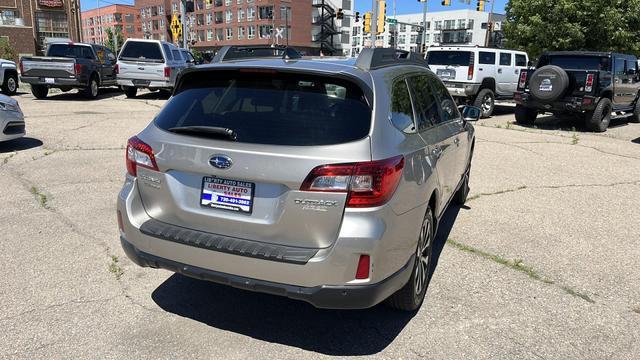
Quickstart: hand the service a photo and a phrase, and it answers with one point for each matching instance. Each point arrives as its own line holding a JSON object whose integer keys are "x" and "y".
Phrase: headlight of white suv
{"x": 9, "y": 107}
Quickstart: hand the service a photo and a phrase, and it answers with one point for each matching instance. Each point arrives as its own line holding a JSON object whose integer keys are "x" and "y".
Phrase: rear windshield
{"x": 141, "y": 51}
{"x": 271, "y": 108}
{"x": 70, "y": 51}
{"x": 576, "y": 62}
{"x": 454, "y": 58}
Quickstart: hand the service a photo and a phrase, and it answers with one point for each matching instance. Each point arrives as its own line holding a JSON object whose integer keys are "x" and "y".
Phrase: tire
{"x": 486, "y": 101}
{"x": 411, "y": 295}
{"x": 91, "y": 91}
{"x": 39, "y": 91}
{"x": 553, "y": 79}
{"x": 598, "y": 120}
{"x": 525, "y": 116}
{"x": 635, "y": 117}
{"x": 460, "y": 197}
{"x": 130, "y": 91}
{"x": 10, "y": 86}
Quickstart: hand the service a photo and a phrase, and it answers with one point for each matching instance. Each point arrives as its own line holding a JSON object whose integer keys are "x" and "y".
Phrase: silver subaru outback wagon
{"x": 319, "y": 180}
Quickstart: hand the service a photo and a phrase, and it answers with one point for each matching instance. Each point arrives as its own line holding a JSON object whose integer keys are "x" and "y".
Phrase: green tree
{"x": 598, "y": 25}
{"x": 112, "y": 36}
{"x": 6, "y": 50}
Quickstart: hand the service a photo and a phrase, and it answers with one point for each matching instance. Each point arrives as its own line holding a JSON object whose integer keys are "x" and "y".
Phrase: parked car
{"x": 11, "y": 119}
{"x": 8, "y": 77}
{"x": 67, "y": 66}
{"x": 150, "y": 64}
{"x": 282, "y": 177}
{"x": 591, "y": 84}
{"x": 478, "y": 75}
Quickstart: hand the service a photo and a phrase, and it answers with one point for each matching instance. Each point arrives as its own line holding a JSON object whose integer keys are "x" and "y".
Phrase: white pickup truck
{"x": 8, "y": 77}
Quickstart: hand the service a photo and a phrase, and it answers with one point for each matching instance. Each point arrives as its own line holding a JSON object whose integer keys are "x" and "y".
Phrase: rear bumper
{"x": 324, "y": 296}
{"x": 567, "y": 104}
{"x": 58, "y": 82}
{"x": 146, "y": 84}
{"x": 461, "y": 89}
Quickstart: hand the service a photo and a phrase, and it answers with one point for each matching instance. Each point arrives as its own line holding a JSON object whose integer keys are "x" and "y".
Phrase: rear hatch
{"x": 59, "y": 62}
{"x": 141, "y": 60}
{"x": 452, "y": 65}
{"x": 583, "y": 72}
{"x": 284, "y": 126}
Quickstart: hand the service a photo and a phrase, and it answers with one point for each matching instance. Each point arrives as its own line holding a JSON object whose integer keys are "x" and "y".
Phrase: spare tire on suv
{"x": 549, "y": 83}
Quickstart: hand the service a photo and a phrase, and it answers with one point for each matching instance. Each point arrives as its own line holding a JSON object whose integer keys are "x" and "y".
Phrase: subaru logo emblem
{"x": 221, "y": 161}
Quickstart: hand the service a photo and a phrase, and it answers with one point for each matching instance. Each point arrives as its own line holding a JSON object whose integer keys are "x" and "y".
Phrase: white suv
{"x": 478, "y": 75}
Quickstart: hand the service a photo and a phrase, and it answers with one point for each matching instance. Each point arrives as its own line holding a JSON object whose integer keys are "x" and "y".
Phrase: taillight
{"x": 77, "y": 69}
{"x": 523, "y": 79}
{"x": 21, "y": 67}
{"x": 588, "y": 87}
{"x": 116, "y": 69}
{"x": 367, "y": 184}
{"x": 470, "y": 73}
{"x": 139, "y": 154}
{"x": 362, "y": 272}
{"x": 167, "y": 71}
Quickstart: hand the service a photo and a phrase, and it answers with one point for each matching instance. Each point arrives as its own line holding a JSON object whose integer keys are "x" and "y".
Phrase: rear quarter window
{"x": 487, "y": 58}
{"x": 141, "y": 51}
{"x": 521, "y": 60}
{"x": 176, "y": 54}
{"x": 271, "y": 108}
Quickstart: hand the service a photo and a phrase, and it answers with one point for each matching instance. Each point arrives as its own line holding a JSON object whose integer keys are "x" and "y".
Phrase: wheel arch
{"x": 488, "y": 83}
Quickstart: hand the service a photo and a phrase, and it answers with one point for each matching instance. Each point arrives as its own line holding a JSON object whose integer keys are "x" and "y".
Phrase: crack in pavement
{"x": 57, "y": 305}
{"x": 509, "y": 144}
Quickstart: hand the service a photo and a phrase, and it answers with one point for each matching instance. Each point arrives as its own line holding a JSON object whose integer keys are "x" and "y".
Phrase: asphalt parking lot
{"x": 542, "y": 263}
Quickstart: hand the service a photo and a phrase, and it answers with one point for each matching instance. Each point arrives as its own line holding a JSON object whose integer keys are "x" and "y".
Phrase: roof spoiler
{"x": 376, "y": 58}
{"x": 229, "y": 52}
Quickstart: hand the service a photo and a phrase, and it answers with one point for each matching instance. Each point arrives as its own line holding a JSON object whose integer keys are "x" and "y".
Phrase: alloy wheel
{"x": 11, "y": 85}
{"x": 423, "y": 256}
{"x": 486, "y": 103}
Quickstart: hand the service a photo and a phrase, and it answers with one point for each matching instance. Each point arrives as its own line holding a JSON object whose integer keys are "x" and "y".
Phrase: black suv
{"x": 595, "y": 84}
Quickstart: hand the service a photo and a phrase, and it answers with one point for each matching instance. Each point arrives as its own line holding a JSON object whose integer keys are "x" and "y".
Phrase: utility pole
{"x": 185, "y": 27}
{"x": 374, "y": 23}
{"x": 487, "y": 38}
{"x": 395, "y": 27}
{"x": 425, "y": 8}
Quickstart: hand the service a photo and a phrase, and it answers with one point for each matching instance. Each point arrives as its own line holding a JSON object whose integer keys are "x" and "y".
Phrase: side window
{"x": 521, "y": 60}
{"x": 487, "y": 58}
{"x": 176, "y": 55}
{"x": 110, "y": 55}
{"x": 619, "y": 69}
{"x": 425, "y": 102}
{"x": 401, "y": 109}
{"x": 505, "y": 59}
{"x": 86, "y": 52}
{"x": 167, "y": 52}
{"x": 100, "y": 54}
{"x": 449, "y": 109}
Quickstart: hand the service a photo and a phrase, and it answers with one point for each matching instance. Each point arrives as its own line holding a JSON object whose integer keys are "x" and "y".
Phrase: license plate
{"x": 226, "y": 194}
{"x": 141, "y": 82}
{"x": 49, "y": 80}
{"x": 446, "y": 73}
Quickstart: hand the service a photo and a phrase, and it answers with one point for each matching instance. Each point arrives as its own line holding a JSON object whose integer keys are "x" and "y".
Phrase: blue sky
{"x": 413, "y": 6}
{"x": 402, "y": 6}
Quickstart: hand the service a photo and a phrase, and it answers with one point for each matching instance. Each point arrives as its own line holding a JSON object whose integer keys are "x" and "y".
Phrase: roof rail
{"x": 229, "y": 52}
{"x": 376, "y": 58}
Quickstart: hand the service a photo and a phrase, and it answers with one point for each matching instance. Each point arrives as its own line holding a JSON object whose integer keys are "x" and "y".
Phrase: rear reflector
{"x": 363, "y": 267}
{"x": 367, "y": 184}
{"x": 523, "y": 79}
{"x": 139, "y": 154}
{"x": 120, "y": 222}
{"x": 588, "y": 87}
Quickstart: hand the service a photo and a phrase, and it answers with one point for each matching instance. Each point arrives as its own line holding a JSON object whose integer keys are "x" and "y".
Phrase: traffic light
{"x": 339, "y": 14}
{"x": 357, "y": 16}
{"x": 446, "y": 3}
{"x": 423, "y": 48}
{"x": 382, "y": 16}
{"x": 480, "y": 6}
{"x": 490, "y": 26}
{"x": 367, "y": 23}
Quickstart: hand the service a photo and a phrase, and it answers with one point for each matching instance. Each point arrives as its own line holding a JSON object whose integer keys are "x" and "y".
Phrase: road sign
{"x": 392, "y": 21}
{"x": 176, "y": 27}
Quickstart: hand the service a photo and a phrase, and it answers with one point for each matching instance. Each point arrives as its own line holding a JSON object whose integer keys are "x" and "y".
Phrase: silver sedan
{"x": 11, "y": 119}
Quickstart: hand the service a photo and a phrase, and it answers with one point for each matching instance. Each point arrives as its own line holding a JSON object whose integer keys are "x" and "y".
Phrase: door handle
{"x": 437, "y": 152}
{"x": 499, "y": 71}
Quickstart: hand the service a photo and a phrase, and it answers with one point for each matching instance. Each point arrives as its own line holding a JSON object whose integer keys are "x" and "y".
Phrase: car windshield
{"x": 270, "y": 108}
{"x": 454, "y": 58}
{"x": 573, "y": 62}
{"x": 142, "y": 51}
{"x": 70, "y": 51}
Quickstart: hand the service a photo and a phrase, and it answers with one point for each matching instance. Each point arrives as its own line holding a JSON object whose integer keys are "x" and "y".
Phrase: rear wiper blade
{"x": 212, "y": 131}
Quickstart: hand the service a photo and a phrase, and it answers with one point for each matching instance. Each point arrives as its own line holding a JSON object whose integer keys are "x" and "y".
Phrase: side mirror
{"x": 631, "y": 72}
{"x": 471, "y": 113}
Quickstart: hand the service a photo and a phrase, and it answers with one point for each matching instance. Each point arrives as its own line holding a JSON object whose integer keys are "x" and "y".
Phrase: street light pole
{"x": 425, "y": 8}
{"x": 183, "y": 15}
{"x": 374, "y": 23}
{"x": 489, "y": 25}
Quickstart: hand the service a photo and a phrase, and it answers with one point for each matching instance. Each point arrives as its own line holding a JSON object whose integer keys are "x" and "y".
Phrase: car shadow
{"x": 569, "y": 123}
{"x": 636, "y": 140}
{"x": 290, "y": 322}
{"x": 503, "y": 110}
{"x": 103, "y": 93}
{"x": 23, "y": 143}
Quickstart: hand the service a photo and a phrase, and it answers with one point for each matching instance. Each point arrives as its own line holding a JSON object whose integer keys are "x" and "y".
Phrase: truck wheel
{"x": 635, "y": 117}
{"x": 598, "y": 120}
{"x": 411, "y": 295}
{"x": 91, "y": 91}
{"x": 39, "y": 91}
{"x": 486, "y": 101}
{"x": 525, "y": 116}
{"x": 10, "y": 86}
{"x": 130, "y": 91}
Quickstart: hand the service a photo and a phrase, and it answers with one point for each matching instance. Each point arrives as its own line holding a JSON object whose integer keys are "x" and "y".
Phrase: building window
{"x": 402, "y": 39}
{"x": 449, "y": 24}
{"x": 414, "y": 39}
{"x": 209, "y": 34}
{"x": 219, "y": 35}
{"x": 174, "y": 7}
{"x": 240, "y": 32}
{"x": 229, "y": 33}
{"x": 228, "y": 16}
{"x": 209, "y": 18}
{"x": 438, "y": 25}
{"x": 239, "y": 2}
{"x": 403, "y": 28}
{"x": 462, "y": 23}
{"x": 265, "y": 12}
{"x": 264, "y": 32}
{"x": 470, "y": 25}
{"x": 251, "y": 13}
{"x": 251, "y": 31}
{"x": 228, "y": 2}
{"x": 240, "y": 14}
{"x": 8, "y": 17}
{"x": 160, "y": 9}
{"x": 285, "y": 13}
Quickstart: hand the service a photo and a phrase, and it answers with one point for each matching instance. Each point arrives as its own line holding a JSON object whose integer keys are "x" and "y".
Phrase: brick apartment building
{"x": 126, "y": 18}
{"x": 27, "y": 24}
